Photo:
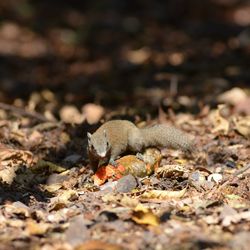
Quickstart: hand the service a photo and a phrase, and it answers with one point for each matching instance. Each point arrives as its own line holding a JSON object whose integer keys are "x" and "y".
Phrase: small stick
{"x": 242, "y": 170}
{"x": 230, "y": 178}
{"x": 23, "y": 112}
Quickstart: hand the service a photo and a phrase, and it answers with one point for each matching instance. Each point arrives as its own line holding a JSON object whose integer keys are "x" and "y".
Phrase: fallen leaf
{"x": 220, "y": 124}
{"x": 98, "y": 245}
{"x": 70, "y": 114}
{"x": 242, "y": 125}
{"x": 41, "y": 164}
{"x": 11, "y": 160}
{"x": 52, "y": 187}
{"x": 163, "y": 194}
{"x": 17, "y": 209}
{"x": 35, "y": 228}
{"x": 235, "y": 201}
{"x": 138, "y": 56}
{"x": 127, "y": 201}
{"x": 92, "y": 112}
{"x": 243, "y": 107}
{"x": 167, "y": 171}
{"x": 67, "y": 195}
{"x": 233, "y": 96}
{"x": 143, "y": 215}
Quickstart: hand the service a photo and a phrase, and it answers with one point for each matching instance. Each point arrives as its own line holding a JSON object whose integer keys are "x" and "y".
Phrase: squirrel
{"x": 115, "y": 137}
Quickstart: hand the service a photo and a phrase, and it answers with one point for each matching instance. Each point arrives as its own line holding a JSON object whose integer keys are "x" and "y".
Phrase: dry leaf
{"x": 138, "y": 56}
{"x": 127, "y": 201}
{"x": 35, "y": 228}
{"x": 66, "y": 196}
{"x": 233, "y": 96}
{"x": 11, "y": 160}
{"x": 242, "y": 125}
{"x": 171, "y": 171}
{"x": 52, "y": 187}
{"x": 70, "y": 114}
{"x": 35, "y": 138}
{"x": 235, "y": 201}
{"x": 220, "y": 124}
{"x": 163, "y": 194}
{"x": 41, "y": 164}
{"x": 98, "y": 245}
{"x": 92, "y": 112}
{"x": 17, "y": 210}
{"x": 143, "y": 215}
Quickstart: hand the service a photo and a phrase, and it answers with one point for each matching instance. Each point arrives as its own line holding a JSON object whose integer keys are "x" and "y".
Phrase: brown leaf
{"x": 11, "y": 160}
{"x": 171, "y": 171}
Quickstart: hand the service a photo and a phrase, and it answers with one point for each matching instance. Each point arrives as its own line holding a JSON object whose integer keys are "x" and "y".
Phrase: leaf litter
{"x": 207, "y": 192}
{"x": 200, "y": 191}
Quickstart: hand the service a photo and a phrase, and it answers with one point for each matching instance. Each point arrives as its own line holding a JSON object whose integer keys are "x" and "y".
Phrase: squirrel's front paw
{"x": 113, "y": 162}
{"x": 140, "y": 156}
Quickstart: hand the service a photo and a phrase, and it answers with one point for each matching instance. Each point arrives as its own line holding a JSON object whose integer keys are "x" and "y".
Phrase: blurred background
{"x": 112, "y": 54}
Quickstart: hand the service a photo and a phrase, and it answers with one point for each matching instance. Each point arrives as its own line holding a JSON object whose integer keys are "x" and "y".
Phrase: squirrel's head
{"x": 99, "y": 145}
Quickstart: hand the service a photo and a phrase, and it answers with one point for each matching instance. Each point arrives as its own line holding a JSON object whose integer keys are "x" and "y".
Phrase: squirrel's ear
{"x": 89, "y": 136}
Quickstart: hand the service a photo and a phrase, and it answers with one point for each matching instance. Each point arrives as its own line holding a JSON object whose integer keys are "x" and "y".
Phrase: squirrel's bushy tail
{"x": 167, "y": 136}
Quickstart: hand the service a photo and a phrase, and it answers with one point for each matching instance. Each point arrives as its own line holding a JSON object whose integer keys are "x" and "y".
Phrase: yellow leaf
{"x": 141, "y": 208}
{"x": 66, "y": 196}
{"x": 181, "y": 161}
{"x": 235, "y": 201}
{"x": 127, "y": 201}
{"x": 143, "y": 215}
{"x": 35, "y": 228}
{"x": 94, "y": 244}
{"x": 53, "y": 187}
